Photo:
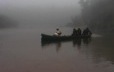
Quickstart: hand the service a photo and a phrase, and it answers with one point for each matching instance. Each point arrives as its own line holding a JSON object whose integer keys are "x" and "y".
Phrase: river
{"x": 21, "y": 50}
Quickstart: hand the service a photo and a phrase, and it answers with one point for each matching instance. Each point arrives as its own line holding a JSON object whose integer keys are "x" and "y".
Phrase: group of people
{"x": 76, "y": 32}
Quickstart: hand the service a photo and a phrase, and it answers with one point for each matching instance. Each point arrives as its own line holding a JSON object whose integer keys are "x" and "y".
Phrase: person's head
{"x": 57, "y": 29}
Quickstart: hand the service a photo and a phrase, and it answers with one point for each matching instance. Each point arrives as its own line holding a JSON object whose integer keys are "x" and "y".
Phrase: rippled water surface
{"x": 21, "y": 50}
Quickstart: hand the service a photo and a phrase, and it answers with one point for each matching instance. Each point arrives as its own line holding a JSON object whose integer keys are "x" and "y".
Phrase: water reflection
{"x": 26, "y": 50}
{"x": 86, "y": 41}
{"x": 98, "y": 49}
{"x": 46, "y": 43}
{"x": 76, "y": 43}
{"x": 102, "y": 48}
{"x": 58, "y": 46}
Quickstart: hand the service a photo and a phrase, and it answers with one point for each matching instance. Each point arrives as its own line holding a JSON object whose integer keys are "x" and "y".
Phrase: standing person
{"x": 58, "y": 32}
{"x": 88, "y": 31}
{"x": 74, "y": 32}
{"x": 79, "y": 32}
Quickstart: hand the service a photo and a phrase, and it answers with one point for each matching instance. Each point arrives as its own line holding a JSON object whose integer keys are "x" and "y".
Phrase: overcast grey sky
{"x": 42, "y": 3}
{"x": 40, "y": 10}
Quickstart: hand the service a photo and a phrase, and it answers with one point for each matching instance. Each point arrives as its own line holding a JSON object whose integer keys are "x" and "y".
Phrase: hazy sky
{"x": 56, "y": 11}
{"x": 39, "y": 2}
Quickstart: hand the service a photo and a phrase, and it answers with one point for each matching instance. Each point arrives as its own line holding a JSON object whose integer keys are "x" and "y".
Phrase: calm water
{"x": 21, "y": 50}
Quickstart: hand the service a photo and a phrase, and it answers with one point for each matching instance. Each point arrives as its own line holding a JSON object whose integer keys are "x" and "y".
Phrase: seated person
{"x": 58, "y": 32}
{"x": 87, "y": 32}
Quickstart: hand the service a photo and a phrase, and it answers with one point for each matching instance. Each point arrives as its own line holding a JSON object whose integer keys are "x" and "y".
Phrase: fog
{"x": 95, "y": 14}
{"x": 98, "y": 15}
{"x": 34, "y": 12}
{"x": 22, "y": 48}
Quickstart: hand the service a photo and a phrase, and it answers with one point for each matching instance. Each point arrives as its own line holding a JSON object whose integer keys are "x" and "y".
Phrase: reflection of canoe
{"x": 60, "y": 38}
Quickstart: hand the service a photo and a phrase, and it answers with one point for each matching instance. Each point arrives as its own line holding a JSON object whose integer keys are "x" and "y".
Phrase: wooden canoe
{"x": 45, "y": 37}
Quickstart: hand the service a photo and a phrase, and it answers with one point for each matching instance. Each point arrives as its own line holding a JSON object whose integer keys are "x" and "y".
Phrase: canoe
{"x": 45, "y": 37}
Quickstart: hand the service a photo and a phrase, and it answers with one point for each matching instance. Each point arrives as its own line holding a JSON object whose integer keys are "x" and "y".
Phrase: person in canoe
{"x": 79, "y": 32}
{"x": 74, "y": 32}
{"x": 58, "y": 32}
{"x": 87, "y": 32}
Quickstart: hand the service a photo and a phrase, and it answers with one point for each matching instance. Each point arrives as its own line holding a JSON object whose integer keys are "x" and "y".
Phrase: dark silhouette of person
{"x": 79, "y": 32}
{"x": 74, "y": 32}
{"x": 87, "y": 32}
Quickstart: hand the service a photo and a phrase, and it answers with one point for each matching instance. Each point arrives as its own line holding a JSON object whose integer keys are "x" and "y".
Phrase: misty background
{"x": 32, "y": 13}
{"x": 98, "y": 15}
{"x": 23, "y": 21}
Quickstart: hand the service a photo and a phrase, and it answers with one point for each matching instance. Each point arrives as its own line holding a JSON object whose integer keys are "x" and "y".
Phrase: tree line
{"x": 6, "y": 22}
{"x": 98, "y": 15}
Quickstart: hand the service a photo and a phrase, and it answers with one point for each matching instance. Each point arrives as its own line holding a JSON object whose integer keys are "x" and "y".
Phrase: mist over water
{"x": 98, "y": 15}
{"x": 35, "y": 13}
{"x": 21, "y": 48}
